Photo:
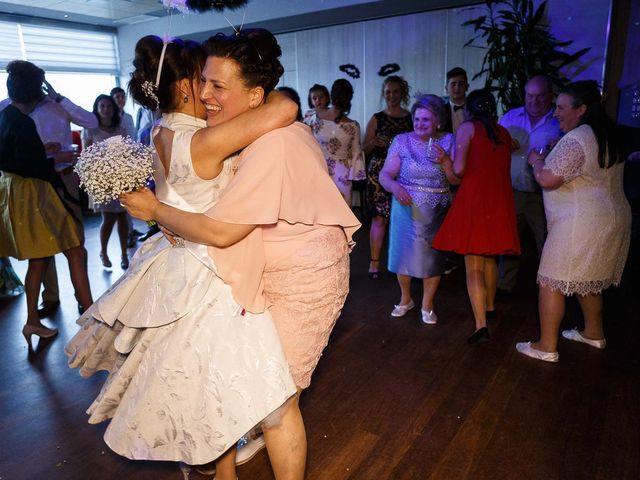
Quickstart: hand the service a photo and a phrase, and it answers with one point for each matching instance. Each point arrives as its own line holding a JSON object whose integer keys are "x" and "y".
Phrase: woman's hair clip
{"x": 388, "y": 69}
{"x": 350, "y": 69}
{"x": 149, "y": 90}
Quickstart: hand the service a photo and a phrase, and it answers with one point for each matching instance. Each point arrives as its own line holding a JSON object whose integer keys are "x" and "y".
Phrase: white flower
{"x": 114, "y": 166}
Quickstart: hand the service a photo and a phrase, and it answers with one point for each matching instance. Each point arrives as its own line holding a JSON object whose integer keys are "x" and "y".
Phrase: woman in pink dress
{"x": 280, "y": 233}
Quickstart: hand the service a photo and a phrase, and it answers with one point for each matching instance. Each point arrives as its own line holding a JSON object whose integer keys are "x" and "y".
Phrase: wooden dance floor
{"x": 392, "y": 398}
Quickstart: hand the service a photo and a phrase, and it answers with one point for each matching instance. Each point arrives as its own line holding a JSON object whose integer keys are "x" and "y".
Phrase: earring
{"x": 185, "y": 99}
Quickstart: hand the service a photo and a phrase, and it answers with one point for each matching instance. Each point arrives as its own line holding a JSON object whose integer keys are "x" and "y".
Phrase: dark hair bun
{"x": 182, "y": 59}
{"x": 257, "y": 53}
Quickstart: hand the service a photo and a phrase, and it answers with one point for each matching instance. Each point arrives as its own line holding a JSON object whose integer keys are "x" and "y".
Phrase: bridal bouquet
{"x": 114, "y": 166}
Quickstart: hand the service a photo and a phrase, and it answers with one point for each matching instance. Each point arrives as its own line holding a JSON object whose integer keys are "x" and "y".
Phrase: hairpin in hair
{"x": 388, "y": 69}
{"x": 149, "y": 90}
{"x": 350, "y": 69}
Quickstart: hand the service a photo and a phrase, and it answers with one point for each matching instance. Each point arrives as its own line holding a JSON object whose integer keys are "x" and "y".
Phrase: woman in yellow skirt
{"x": 36, "y": 223}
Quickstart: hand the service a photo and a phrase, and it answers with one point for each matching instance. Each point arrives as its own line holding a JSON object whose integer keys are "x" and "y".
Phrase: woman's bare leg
{"x": 287, "y": 442}
{"x": 490, "y": 282}
{"x": 591, "y": 306}
{"x": 430, "y": 286}
{"x": 476, "y": 288}
{"x": 77, "y": 258}
{"x": 32, "y": 283}
{"x": 108, "y": 220}
{"x": 405, "y": 289}
{"x": 551, "y": 309}
{"x": 226, "y": 465}
{"x": 376, "y": 239}
{"x": 123, "y": 233}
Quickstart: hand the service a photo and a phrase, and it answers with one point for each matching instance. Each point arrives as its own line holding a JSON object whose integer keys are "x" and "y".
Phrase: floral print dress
{"x": 340, "y": 143}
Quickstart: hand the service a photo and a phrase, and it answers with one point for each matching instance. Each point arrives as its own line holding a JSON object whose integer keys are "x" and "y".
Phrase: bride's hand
{"x": 140, "y": 204}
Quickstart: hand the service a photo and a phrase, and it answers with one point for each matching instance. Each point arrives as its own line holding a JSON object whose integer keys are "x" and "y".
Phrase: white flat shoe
{"x": 525, "y": 348}
{"x": 429, "y": 317}
{"x": 401, "y": 310}
{"x": 576, "y": 336}
{"x": 248, "y": 447}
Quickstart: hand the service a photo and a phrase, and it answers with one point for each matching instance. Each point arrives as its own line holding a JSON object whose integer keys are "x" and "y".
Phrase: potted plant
{"x": 519, "y": 45}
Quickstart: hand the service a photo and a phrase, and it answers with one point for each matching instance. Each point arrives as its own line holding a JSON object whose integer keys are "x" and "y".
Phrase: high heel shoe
{"x": 39, "y": 330}
{"x": 374, "y": 274}
{"x": 106, "y": 263}
{"x": 124, "y": 263}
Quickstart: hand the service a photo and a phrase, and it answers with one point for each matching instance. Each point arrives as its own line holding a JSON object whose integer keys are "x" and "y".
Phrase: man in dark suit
{"x": 456, "y": 88}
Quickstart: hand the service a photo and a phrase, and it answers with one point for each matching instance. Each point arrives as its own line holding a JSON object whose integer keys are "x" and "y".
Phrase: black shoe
{"x": 47, "y": 307}
{"x": 150, "y": 233}
{"x": 132, "y": 239}
{"x": 135, "y": 232}
{"x": 479, "y": 336}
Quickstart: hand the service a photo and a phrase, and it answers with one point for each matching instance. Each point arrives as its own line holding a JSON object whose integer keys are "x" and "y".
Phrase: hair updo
{"x": 341, "y": 96}
{"x": 24, "y": 82}
{"x": 255, "y": 50}
{"x": 481, "y": 106}
{"x": 435, "y": 105}
{"x": 182, "y": 59}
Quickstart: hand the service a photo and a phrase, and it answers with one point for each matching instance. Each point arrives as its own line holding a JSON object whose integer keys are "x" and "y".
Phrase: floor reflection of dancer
{"x": 281, "y": 226}
{"x": 190, "y": 371}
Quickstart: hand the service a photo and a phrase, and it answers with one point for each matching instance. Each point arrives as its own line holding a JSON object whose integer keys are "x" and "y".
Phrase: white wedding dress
{"x": 190, "y": 371}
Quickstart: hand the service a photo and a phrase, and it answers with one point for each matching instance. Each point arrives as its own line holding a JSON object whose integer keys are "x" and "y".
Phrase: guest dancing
{"x": 481, "y": 222}
{"x": 108, "y": 114}
{"x": 418, "y": 172}
{"x": 291, "y": 253}
{"x": 381, "y": 129}
{"x": 38, "y": 221}
{"x": 339, "y": 138}
{"x": 588, "y": 218}
{"x": 190, "y": 371}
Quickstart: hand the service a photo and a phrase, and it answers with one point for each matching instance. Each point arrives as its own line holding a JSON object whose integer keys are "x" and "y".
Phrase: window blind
{"x": 60, "y": 49}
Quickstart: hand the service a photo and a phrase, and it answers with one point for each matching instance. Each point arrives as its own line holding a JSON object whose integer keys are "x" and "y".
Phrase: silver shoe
{"x": 525, "y": 348}
{"x": 401, "y": 310}
{"x": 429, "y": 317}
{"x": 576, "y": 336}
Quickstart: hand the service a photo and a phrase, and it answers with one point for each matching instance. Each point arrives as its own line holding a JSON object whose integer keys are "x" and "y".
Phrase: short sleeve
{"x": 567, "y": 159}
{"x": 253, "y": 196}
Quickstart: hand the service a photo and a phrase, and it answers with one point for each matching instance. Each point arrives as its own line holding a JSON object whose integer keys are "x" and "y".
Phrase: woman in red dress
{"x": 481, "y": 222}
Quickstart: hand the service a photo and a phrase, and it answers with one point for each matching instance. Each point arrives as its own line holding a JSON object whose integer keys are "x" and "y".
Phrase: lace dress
{"x": 379, "y": 200}
{"x": 588, "y": 219}
{"x": 340, "y": 143}
{"x": 190, "y": 371}
{"x": 413, "y": 227}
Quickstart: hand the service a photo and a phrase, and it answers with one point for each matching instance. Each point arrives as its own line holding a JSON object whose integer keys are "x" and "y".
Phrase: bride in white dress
{"x": 190, "y": 370}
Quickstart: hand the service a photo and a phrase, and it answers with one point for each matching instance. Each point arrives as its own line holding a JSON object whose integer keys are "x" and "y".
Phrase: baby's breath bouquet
{"x": 114, "y": 166}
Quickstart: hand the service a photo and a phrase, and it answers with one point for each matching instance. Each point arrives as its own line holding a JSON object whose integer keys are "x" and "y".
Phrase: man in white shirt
{"x": 456, "y": 88}
{"x": 532, "y": 127}
{"x": 53, "y": 117}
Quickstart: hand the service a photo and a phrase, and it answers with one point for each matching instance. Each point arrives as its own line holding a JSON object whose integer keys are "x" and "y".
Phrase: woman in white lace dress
{"x": 339, "y": 138}
{"x": 190, "y": 370}
{"x": 418, "y": 172}
{"x": 588, "y": 219}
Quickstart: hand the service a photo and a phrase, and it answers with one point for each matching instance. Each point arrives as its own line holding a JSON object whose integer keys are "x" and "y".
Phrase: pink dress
{"x": 297, "y": 262}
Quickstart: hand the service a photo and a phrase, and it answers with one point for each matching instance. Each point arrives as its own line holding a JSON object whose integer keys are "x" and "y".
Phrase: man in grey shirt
{"x": 532, "y": 127}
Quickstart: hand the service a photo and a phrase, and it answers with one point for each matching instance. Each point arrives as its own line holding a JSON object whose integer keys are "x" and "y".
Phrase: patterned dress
{"x": 588, "y": 219}
{"x": 378, "y": 198}
{"x": 413, "y": 227}
{"x": 340, "y": 143}
{"x": 190, "y": 371}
